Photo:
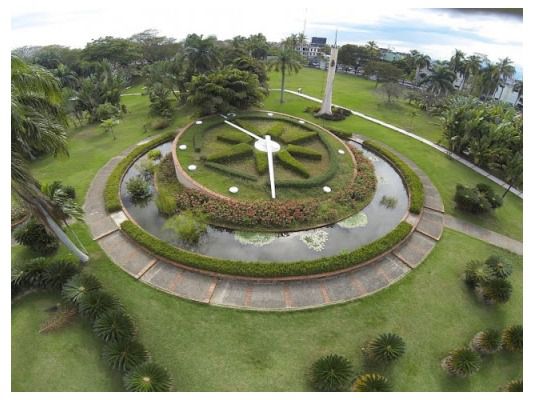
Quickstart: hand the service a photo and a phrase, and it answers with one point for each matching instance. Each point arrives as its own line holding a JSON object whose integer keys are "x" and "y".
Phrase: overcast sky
{"x": 436, "y": 32}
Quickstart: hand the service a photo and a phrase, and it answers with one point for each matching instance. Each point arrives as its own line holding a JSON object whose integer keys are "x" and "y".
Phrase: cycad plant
{"x": 513, "y": 339}
{"x": 59, "y": 272}
{"x": 487, "y": 341}
{"x": 516, "y": 385}
{"x": 124, "y": 355}
{"x": 114, "y": 326}
{"x": 29, "y": 274}
{"x": 331, "y": 373}
{"x": 148, "y": 377}
{"x": 496, "y": 291}
{"x": 476, "y": 272}
{"x": 499, "y": 267}
{"x": 461, "y": 362}
{"x": 96, "y": 303}
{"x": 386, "y": 347}
{"x": 79, "y": 286}
{"x": 371, "y": 383}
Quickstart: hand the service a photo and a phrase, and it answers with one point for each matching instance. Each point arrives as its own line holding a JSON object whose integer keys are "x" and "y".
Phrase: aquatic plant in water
{"x": 315, "y": 240}
{"x": 388, "y": 201}
{"x": 355, "y": 221}
{"x": 258, "y": 239}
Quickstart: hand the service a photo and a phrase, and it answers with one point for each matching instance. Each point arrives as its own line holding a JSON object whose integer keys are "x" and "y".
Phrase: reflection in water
{"x": 372, "y": 223}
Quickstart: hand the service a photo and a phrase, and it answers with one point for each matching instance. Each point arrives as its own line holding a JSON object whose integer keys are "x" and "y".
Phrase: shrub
{"x": 476, "y": 272}
{"x": 59, "y": 272}
{"x": 513, "y": 339}
{"x": 371, "y": 383}
{"x": 298, "y": 136}
{"x": 386, "y": 347}
{"x": 29, "y": 274}
{"x": 148, "y": 377}
{"x": 232, "y": 153}
{"x": 303, "y": 152}
{"x": 516, "y": 385}
{"x": 496, "y": 290}
{"x": 188, "y": 226}
{"x": 96, "y": 303}
{"x": 494, "y": 200}
{"x": 154, "y": 154}
{"x": 462, "y": 362}
{"x": 476, "y": 200}
{"x": 487, "y": 341}
{"x": 106, "y": 111}
{"x": 412, "y": 180}
{"x": 160, "y": 123}
{"x": 138, "y": 188}
{"x": 114, "y": 326}
{"x": 69, "y": 191}
{"x": 124, "y": 355}
{"x": 234, "y": 137}
{"x": 261, "y": 162}
{"x": 499, "y": 267}
{"x": 166, "y": 204}
{"x": 146, "y": 169}
{"x": 337, "y": 114}
{"x": 112, "y": 187}
{"x": 262, "y": 269}
{"x": 34, "y": 235}
{"x": 79, "y": 286}
{"x": 230, "y": 171}
{"x": 342, "y": 134}
{"x": 331, "y": 373}
{"x": 290, "y": 162}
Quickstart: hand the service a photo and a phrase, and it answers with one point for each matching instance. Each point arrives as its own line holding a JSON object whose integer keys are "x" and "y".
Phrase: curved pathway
{"x": 420, "y": 139}
{"x": 262, "y": 295}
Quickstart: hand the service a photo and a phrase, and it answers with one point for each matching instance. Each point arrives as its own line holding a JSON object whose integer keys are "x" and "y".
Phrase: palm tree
{"x": 420, "y": 61}
{"x": 472, "y": 66}
{"x": 506, "y": 70}
{"x": 488, "y": 79}
{"x": 457, "y": 63}
{"x": 440, "y": 82}
{"x": 372, "y": 50}
{"x": 37, "y": 125}
{"x": 287, "y": 62}
{"x": 201, "y": 54}
{"x": 518, "y": 87}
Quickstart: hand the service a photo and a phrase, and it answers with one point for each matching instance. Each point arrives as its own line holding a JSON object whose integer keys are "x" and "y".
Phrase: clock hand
{"x": 244, "y": 130}
{"x": 270, "y": 166}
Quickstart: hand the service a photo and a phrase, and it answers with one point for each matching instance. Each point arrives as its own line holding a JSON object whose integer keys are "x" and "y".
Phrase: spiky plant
{"x": 513, "y": 339}
{"x": 496, "y": 291}
{"x": 487, "y": 341}
{"x": 124, "y": 355}
{"x": 31, "y": 273}
{"x": 499, "y": 267}
{"x": 386, "y": 347}
{"x": 78, "y": 286}
{"x": 59, "y": 272}
{"x": 148, "y": 377}
{"x": 516, "y": 385}
{"x": 331, "y": 373}
{"x": 114, "y": 326}
{"x": 371, "y": 383}
{"x": 462, "y": 362}
{"x": 476, "y": 272}
{"x": 96, "y": 303}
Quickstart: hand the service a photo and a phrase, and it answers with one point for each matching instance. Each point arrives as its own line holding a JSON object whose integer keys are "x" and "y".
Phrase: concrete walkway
{"x": 261, "y": 295}
{"x": 420, "y": 139}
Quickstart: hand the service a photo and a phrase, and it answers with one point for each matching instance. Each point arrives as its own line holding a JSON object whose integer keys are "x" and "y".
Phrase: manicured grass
{"x": 360, "y": 95}
{"x": 90, "y": 148}
{"x": 213, "y": 349}
{"x": 444, "y": 172}
{"x": 66, "y": 360}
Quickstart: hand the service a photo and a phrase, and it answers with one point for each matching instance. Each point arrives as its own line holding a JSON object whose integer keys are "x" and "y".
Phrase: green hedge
{"x": 112, "y": 187}
{"x": 261, "y": 161}
{"x": 234, "y": 137}
{"x": 298, "y": 136}
{"x": 232, "y": 153}
{"x": 304, "y": 152}
{"x": 341, "y": 134}
{"x": 265, "y": 269}
{"x": 277, "y": 130}
{"x": 416, "y": 189}
{"x": 230, "y": 171}
{"x": 292, "y": 163}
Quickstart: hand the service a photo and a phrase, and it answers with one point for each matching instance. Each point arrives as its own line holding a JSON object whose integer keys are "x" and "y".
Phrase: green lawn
{"x": 360, "y": 95}
{"x": 444, "y": 172}
{"x": 214, "y": 349}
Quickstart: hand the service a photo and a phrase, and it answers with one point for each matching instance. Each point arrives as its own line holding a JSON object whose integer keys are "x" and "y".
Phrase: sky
{"x": 436, "y": 32}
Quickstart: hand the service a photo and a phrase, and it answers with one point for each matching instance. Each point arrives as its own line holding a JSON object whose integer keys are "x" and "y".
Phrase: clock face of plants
{"x": 305, "y": 158}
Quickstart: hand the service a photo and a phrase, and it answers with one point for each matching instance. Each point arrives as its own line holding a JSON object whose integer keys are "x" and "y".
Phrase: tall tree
{"x": 287, "y": 61}
{"x": 117, "y": 51}
{"x": 472, "y": 66}
{"x": 37, "y": 124}
{"x": 201, "y": 53}
{"x": 258, "y": 46}
{"x": 372, "y": 50}
{"x": 383, "y": 71}
{"x": 253, "y": 66}
{"x": 353, "y": 55}
{"x": 420, "y": 61}
{"x": 154, "y": 47}
{"x": 506, "y": 70}
{"x": 440, "y": 82}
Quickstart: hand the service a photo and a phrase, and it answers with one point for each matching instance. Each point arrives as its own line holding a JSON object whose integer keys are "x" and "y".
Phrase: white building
{"x": 312, "y": 50}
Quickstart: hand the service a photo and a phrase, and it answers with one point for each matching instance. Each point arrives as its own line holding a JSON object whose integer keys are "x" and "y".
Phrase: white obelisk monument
{"x": 328, "y": 93}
